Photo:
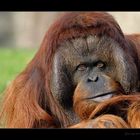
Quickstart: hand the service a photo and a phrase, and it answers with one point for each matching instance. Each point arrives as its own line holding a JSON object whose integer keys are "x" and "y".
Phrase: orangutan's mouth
{"x": 102, "y": 97}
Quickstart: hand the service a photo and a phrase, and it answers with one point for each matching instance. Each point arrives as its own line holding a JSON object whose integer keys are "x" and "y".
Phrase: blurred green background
{"x": 12, "y": 62}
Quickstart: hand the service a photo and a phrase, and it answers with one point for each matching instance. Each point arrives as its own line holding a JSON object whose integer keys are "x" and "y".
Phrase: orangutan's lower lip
{"x": 102, "y": 97}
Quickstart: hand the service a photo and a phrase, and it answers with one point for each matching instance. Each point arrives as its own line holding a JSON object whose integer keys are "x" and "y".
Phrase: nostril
{"x": 93, "y": 79}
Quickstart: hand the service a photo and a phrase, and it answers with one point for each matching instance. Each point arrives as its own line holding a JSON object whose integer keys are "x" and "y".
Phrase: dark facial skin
{"x": 98, "y": 65}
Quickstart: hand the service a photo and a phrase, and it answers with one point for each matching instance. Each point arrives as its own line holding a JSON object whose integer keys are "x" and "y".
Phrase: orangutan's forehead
{"x": 88, "y": 45}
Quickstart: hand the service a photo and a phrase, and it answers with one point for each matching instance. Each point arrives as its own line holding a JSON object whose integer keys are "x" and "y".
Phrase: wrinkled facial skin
{"x": 98, "y": 66}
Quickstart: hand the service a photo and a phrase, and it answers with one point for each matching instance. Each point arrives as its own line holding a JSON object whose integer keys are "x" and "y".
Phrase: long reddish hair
{"x": 28, "y": 101}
